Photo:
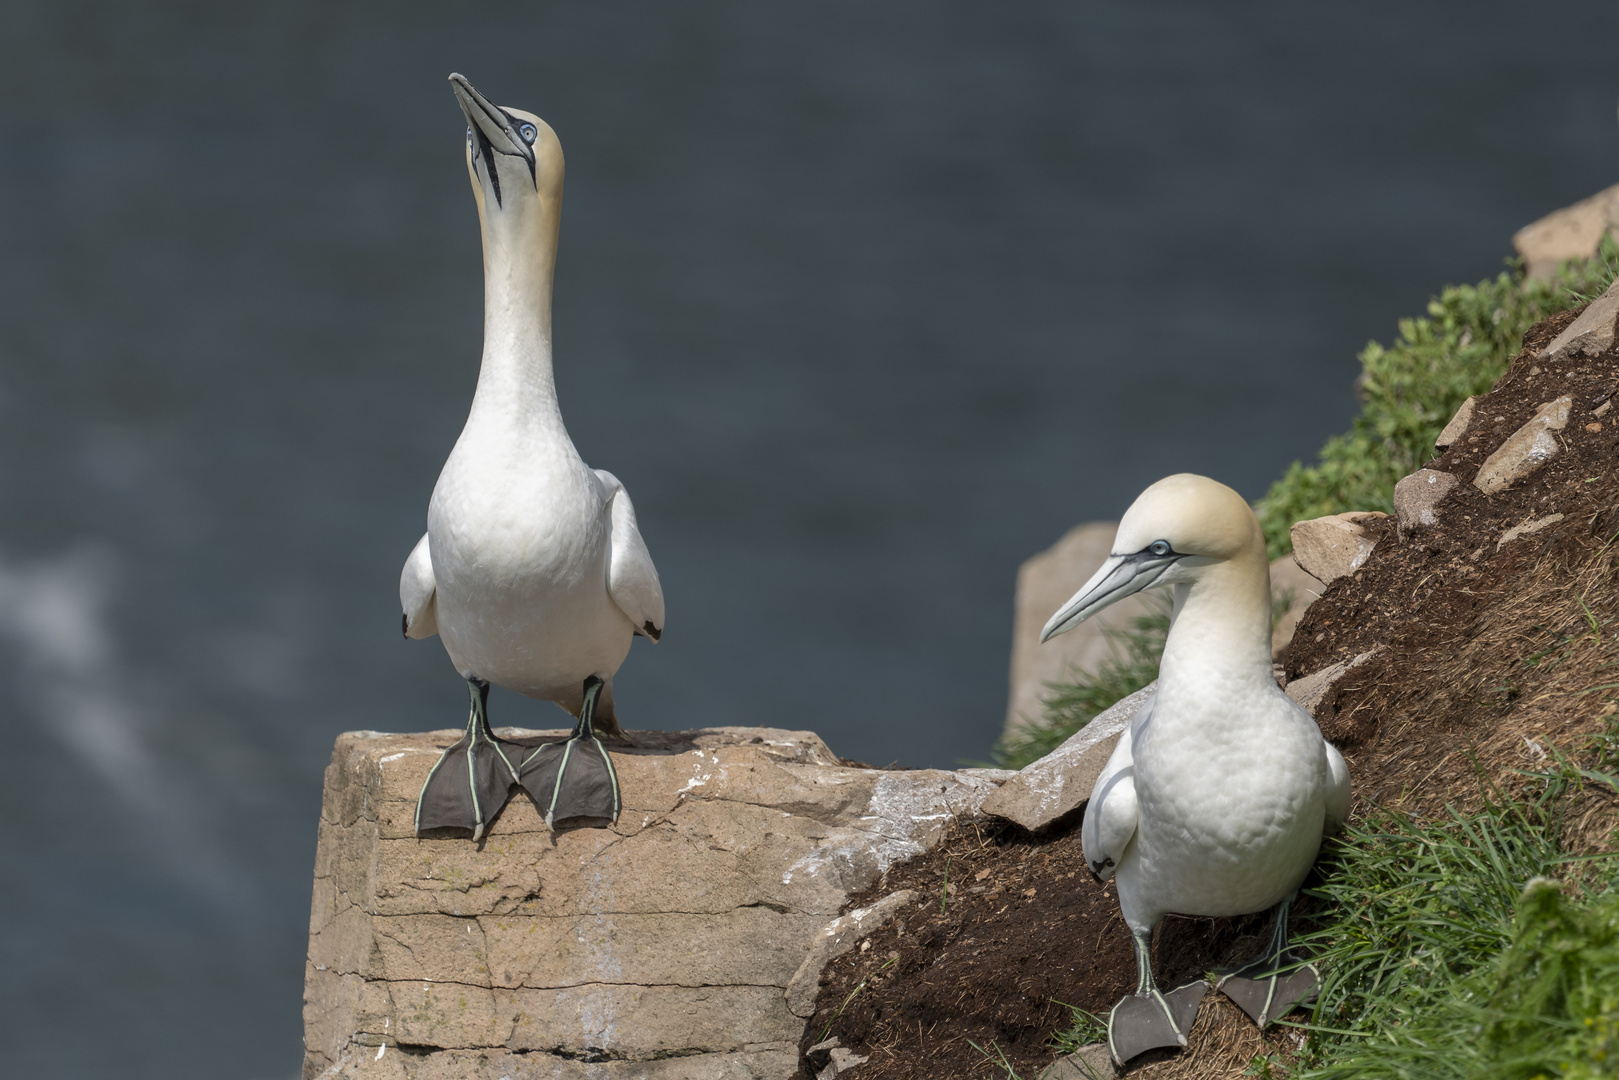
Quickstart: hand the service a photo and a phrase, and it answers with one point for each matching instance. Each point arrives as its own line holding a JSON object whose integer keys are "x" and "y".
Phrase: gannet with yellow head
{"x": 1216, "y": 798}
{"x": 532, "y": 571}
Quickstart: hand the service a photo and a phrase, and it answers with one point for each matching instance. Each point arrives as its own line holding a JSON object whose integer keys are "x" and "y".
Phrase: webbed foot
{"x": 1270, "y": 985}
{"x": 1270, "y": 988}
{"x": 573, "y": 781}
{"x": 473, "y": 778}
{"x": 1150, "y": 1019}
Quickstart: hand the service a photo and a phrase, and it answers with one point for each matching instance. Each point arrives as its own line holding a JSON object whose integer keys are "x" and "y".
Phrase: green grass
{"x": 1412, "y": 388}
{"x": 1453, "y": 952}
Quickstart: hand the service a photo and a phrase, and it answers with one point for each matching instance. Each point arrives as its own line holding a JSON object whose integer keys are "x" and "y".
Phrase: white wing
{"x": 1110, "y": 817}
{"x": 1337, "y": 789}
{"x": 418, "y": 593}
{"x": 632, "y": 580}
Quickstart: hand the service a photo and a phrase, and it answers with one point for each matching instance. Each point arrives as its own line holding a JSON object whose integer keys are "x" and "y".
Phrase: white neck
{"x": 519, "y": 265}
{"x": 1222, "y": 622}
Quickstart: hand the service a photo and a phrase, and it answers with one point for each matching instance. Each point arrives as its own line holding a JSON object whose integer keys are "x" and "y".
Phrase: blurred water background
{"x": 864, "y": 302}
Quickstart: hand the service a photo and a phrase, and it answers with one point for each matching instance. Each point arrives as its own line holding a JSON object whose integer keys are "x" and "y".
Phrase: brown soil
{"x": 1488, "y": 663}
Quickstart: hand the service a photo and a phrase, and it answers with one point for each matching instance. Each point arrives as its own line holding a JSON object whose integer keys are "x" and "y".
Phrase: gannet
{"x": 532, "y": 571}
{"x": 1216, "y": 798}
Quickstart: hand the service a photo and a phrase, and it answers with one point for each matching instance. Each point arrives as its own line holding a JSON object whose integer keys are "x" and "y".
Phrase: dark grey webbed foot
{"x": 1147, "y": 1021}
{"x": 1272, "y": 984}
{"x": 573, "y": 781}
{"x": 1149, "y": 1018}
{"x": 1268, "y": 993}
{"x": 473, "y": 778}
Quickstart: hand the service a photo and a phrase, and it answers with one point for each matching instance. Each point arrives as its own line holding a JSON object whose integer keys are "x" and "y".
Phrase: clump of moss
{"x": 1411, "y": 388}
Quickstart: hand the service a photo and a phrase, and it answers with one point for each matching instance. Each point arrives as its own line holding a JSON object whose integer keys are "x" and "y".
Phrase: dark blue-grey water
{"x": 864, "y": 302}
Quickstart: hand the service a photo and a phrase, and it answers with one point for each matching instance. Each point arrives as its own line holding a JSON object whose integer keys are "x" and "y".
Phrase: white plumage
{"x": 532, "y": 572}
{"x": 1215, "y": 800}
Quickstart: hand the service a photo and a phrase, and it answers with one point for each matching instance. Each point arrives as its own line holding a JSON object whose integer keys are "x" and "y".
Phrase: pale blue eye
{"x": 528, "y": 132}
{"x": 1159, "y": 547}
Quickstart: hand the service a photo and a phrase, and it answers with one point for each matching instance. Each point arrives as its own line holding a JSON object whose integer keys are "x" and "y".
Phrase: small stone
{"x": 1093, "y": 1062}
{"x": 1594, "y": 427}
{"x": 1573, "y": 232}
{"x": 1310, "y": 691}
{"x": 1331, "y": 547}
{"x": 1602, "y": 410}
{"x": 1045, "y": 790}
{"x": 1457, "y": 426}
{"x": 1417, "y": 498}
{"x": 1525, "y": 450}
{"x": 1592, "y": 333}
{"x": 842, "y": 1061}
{"x": 1528, "y": 528}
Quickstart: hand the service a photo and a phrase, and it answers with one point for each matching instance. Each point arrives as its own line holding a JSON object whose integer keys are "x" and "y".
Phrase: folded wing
{"x": 632, "y": 580}
{"x": 1110, "y": 816}
{"x": 418, "y": 593}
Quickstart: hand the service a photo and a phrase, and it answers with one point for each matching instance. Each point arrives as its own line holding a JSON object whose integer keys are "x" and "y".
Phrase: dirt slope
{"x": 1487, "y": 656}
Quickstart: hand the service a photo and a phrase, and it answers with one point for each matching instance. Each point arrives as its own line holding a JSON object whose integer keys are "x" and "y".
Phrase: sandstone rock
{"x": 1044, "y": 583}
{"x": 1310, "y": 690}
{"x": 1573, "y": 232}
{"x": 1045, "y": 790}
{"x": 1457, "y": 426}
{"x": 1093, "y": 1062}
{"x": 838, "y": 937}
{"x": 1291, "y": 585}
{"x": 1528, "y": 528}
{"x": 1417, "y": 498}
{"x": 1592, "y": 333}
{"x": 1328, "y": 548}
{"x": 1525, "y": 450}
{"x": 661, "y": 948}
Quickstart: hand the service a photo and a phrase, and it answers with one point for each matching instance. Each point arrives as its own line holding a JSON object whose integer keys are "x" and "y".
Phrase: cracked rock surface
{"x": 659, "y": 948}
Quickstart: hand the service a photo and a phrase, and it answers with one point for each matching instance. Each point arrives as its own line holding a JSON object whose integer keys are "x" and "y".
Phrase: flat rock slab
{"x": 1592, "y": 333}
{"x": 1045, "y": 790}
{"x": 661, "y": 947}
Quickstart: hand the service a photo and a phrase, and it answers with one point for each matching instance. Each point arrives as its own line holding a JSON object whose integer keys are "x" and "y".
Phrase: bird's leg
{"x": 472, "y": 779}
{"x": 1273, "y": 982}
{"x": 573, "y": 781}
{"x": 1150, "y": 1018}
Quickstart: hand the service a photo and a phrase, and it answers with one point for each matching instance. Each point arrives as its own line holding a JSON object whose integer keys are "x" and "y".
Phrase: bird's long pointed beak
{"x": 489, "y": 119}
{"x": 1118, "y": 577}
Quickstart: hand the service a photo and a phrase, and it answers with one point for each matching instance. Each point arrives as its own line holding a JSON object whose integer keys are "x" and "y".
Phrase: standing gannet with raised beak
{"x": 532, "y": 572}
{"x": 1216, "y": 798}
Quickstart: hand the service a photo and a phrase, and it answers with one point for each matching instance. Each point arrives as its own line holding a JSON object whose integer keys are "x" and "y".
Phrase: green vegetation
{"x": 1472, "y": 946}
{"x": 1413, "y": 387}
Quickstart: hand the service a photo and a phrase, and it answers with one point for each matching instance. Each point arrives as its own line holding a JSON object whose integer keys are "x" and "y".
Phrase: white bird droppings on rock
{"x": 1525, "y": 450}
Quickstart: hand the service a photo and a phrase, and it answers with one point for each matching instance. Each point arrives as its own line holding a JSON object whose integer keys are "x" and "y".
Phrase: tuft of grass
{"x": 1072, "y": 705}
{"x": 1084, "y": 1028}
{"x": 1412, "y": 388}
{"x": 1449, "y": 952}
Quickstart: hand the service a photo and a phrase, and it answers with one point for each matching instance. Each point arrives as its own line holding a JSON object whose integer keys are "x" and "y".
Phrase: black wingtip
{"x": 404, "y": 626}
{"x": 648, "y": 630}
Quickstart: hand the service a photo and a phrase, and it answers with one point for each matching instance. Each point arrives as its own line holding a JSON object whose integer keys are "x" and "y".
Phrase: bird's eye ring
{"x": 1159, "y": 547}
{"x": 528, "y": 132}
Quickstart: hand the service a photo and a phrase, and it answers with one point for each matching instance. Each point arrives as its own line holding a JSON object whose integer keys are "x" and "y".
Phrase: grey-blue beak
{"x": 1120, "y": 576}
